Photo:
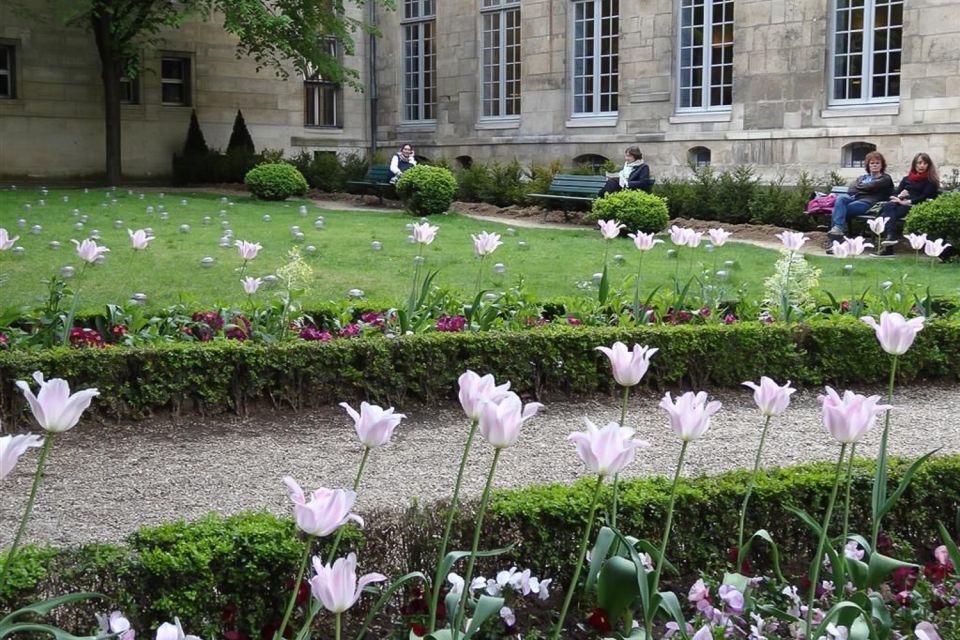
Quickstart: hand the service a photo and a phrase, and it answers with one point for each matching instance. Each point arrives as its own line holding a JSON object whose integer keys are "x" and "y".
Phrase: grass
{"x": 169, "y": 271}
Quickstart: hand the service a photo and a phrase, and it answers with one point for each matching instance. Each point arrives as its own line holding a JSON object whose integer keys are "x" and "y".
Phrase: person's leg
{"x": 895, "y": 215}
{"x": 612, "y": 186}
{"x": 858, "y": 208}
{"x": 839, "y": 217}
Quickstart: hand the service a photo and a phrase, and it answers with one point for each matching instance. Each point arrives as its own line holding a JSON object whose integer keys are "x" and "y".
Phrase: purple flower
{"x": 312, "y": 333}
{"x": 352, "y": 330}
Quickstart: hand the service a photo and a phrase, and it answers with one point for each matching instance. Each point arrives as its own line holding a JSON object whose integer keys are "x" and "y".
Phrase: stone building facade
{"x": 784, "y": 85}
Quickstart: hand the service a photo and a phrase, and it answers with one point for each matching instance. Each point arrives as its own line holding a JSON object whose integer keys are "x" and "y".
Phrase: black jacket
{"x": 919, "y": 191}
{"x": 878, "y": 190}
{"x": 640, "y": 177}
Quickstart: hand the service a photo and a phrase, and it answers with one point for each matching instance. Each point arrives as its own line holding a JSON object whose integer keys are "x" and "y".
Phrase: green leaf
{"x": 807, "y": 519}
{"x": 779, "y": 614}
{"x": 860, "y": 540}
{"x": 858, "y": 571}
{"x": 904, "y": 483}
{"x": 601, "y": 548}
{"x": 604, "y": 286}
{"x": 740, "y": 581}
{"x": 486, "y": 606}
{"x": 950, "y": 544}
{"x": 439, "y": 634}
{"x": 763, "y": 534}
{"x": 453, "y": 556}
{"x": 617, "y": 586}
{"x": 43, "y": 607}
{"x": 670, "y": 604}
{"x": 881, "y": 566}
{"x": 840, "y": 608}
{"x": 23, "y": 627}
{"x": 385, "y": 596}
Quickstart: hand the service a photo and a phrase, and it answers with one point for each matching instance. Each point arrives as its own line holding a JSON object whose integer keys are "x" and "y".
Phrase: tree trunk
{"x": 111, "y": 69}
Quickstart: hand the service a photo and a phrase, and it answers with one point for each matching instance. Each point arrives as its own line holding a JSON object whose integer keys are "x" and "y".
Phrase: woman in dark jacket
{"x": 634, "y": 175}
{"x": 870, "y": 188}
{"x": 921, "y": 184}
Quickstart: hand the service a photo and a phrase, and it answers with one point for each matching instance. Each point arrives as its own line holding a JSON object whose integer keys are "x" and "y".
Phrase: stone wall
{"x": 54, "y": 127}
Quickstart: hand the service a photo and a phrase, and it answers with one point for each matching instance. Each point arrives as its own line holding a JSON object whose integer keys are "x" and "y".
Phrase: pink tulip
{"x": 690, "y": 415}
{"x": 644, "y": 241}
{"x": 167, "y": 631}
{"x": 12, "y": 447}
{"x": 485, "y": 243}
{"x": 475, "y": 390}
{"x": 500, "y": 422}
{"x": 374, "y": 425}
{"x": 942, "y": 555}
{"x": 327, "y": 511}
{"x": 877, "y": 225}
{"x": 139, "y": 239}
{"x": 678, "y": 235}
{"x": 694, "y": 238}
{"x": 606, "y": 451}
{"x": 719, "y": 237}
{"x": 792, "y": 240}
{"x": 6, "y": 241}
{"x": 851, "y": 416}
{"x": 610, "y": 229}
{"x": 116, "y": 624}
{"x": 858, "y": 245}
{"x": 840, "y": 249}
{"x": 771, "y": 398}
{"x": 424, "y": 232}
{"x": 629, "y": 367}
{"x": 337, "y": 587}
{"x": 53, "y": 407}
{"x": 247, "y": 250}
{"x": 699, "y": 591}
{"x": 926, "y": 631}
{"x": 703, "y": 634}
{"x": 895, "y": 332}
{"x": 934, "y": 248}
{"x": 251, "y": 284}
{"x": 89, "y": 251}
{"x": 917, "y": 242}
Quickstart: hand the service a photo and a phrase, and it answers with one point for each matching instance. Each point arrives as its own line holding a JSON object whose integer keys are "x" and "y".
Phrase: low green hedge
{"x": 549, "y": 362}
{"x": 231, "y": 574}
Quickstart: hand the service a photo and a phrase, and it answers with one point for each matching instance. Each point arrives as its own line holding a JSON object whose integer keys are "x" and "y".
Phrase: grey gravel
{"x": 106, "y": 480}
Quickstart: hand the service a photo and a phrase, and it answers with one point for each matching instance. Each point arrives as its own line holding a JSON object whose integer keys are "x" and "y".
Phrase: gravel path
{"x": 106, "y": 480}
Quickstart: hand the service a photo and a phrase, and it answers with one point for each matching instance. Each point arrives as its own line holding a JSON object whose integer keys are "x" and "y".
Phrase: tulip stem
{"x": 478, "y": 525}
{"x": 68, "y": 322}
{"x": 616, "y": 476}
{"x": 448, "y": 525}
{"x": 846, "y": 519}
{"x": 337, "y": 623}
{"x": 356, "y": 485}
{"x": 37, "y": 476}
{"x": 750, "y": 488}
{"x": 880, "y": 481}
{"x": 296, "y": 588}
{"x": 649, "y": 614}
{"x": 815, "y": 578}
{"x": 636, "y": 293}
{"x": 416, "y": 279}
{"x": 581, "y": 554}
{"x": 480, "y": 275}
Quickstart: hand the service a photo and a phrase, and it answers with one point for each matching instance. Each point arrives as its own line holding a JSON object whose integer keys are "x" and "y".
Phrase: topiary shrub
{"x": 638, "y": 210}
{"x": 427, "y": 190}
{"x": 275, "y": 181}
{"x": 938, "y": 218}
{"x": 240, "y": 140}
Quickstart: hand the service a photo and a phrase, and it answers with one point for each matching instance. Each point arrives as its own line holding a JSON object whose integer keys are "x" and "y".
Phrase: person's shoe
{"x": 836, "y": 231}
{"x": 886, "y": 251}
{"x": 890, "y": 243}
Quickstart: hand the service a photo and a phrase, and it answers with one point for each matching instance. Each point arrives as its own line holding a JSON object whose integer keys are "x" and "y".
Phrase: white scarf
{"x": 628, "y": 168}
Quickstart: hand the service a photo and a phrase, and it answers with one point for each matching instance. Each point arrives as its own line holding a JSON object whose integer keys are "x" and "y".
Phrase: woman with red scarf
{"x": 922, "y": 183}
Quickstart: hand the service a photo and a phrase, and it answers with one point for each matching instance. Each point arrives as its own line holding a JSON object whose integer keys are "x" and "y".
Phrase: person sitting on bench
{"x": 634, "y": 175}
{"x": 401, "y": 161}
{"x": 872, "y": 187}
{"x": 921, "y": 184}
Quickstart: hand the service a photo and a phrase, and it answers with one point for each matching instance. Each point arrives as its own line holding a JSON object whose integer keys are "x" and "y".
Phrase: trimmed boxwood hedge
{"x": 231, "y": 574}
{"x": 226, "y": 376}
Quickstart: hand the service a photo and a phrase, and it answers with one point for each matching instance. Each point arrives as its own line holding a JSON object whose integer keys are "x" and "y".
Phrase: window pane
{"x": 172, "y": 69}
{"x": 173, "y": 94}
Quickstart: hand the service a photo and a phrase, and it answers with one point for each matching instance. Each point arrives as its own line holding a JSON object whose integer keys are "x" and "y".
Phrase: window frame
{"x": 597, "y": 94}
{"x": 134, "y": 91}
{"x": 868, "y": 54}
{"x": 186, "y": 81}
{"x": 11, "y": 71}
{"x": 504, "y": 102}
{"x": 419, "y": 16}
{"x": 314, "y": 82}
{"x": 706, "y": 85}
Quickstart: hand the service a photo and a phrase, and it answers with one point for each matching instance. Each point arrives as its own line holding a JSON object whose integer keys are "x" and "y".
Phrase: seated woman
{"x": 922, "y": 183}
{"x": 634, "y": 175}
{"x": 872, "y": 187}
{"x": 401, "y": 161}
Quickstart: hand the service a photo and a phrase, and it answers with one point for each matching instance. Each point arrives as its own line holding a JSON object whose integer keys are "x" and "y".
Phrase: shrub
{"x": 542, "y": 175}
{"x": 427, "y": 190}
{"x": 240, "y": 140}
{"x": 731, "y": 194}
{"x": 782, "y": 206}
{"x": 938, "y": 218}
{"x": 505, "y": 185}
{"x": 679, "y": 195}
{"x": 275, "y": 181}
{"x": 638, "y": 210}
{"x": 323, "y": 172}
{"x": 355, "y": 166}
{"x": 195, "y": 145}
{"x": 473, "y": 181}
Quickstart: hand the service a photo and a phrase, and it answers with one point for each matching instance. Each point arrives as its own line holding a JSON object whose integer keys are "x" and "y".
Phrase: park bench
{"x": 377, "y": 180}
{"x": 571, "y": 190}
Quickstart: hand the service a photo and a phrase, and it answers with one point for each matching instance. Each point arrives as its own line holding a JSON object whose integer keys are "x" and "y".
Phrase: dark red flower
{"x": 937, "y": 572}
{"x": 312, "y": 333}
{"x": 352, "y": 330}
{"x": 599, "y": 620}
{"x": 235, "y": 635}
{"x": 904, "y": 578}
{"x": 732, "y": 554}
{"x": 904, "y": 598}
{"x": 373, "y": 318}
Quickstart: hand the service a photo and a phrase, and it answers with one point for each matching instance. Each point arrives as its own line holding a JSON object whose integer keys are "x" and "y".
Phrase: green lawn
{"x": 169, "y": 271}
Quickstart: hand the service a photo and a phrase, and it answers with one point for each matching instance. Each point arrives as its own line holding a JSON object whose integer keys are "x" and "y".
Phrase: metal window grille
{"x": 175, "y": 81}
{"x": 596, "y": 60}
{"x": 706, "y": 54}
{"x": 8, "y": 86}
{"x": 419, "y": 60}
{"x": 501, "y": 58}
{"x": 866, "y": 51}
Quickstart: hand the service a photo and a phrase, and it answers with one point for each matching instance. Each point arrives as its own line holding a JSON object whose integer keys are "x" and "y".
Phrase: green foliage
{"x": 473, "y": 181}
{"x": 324, "y": 172}
{"x": 638, "y": 210}
{"x": 732, "y": 193}
{"x": 195, "y": 145}
{"x": 938, "y": 218}
{"x": 275, "y": 181}
{"x": 427, "y": 190}
{"x": 547, "y": 362}
{"x": 505, "y": 185}
{"x": 354, "y": 166}
{"x": 240, "y": 140}
{"x": 542, "y": 175}
{"x": 782, "y": 206}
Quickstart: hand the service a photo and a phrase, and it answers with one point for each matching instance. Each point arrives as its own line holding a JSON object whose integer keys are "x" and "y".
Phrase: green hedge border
{"x": 199, "y": 570}
{"x": 549, "y": 362}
